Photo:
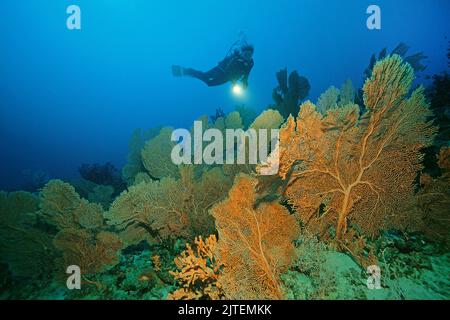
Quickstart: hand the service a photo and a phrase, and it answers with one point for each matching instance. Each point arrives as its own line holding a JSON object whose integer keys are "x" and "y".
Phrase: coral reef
{"x": 34, "y": 180}
{"x": 198, "y": 272}
{"x": 102, "y": 174}
{"x": 255, "y": 244}
{"x": 439, "y": 96}
{"x": 62, "y": 207}
{"x": 328, "y": 100}
{"x": 345, "y": 171}
{"x": 91, "y": 252}
{"x": 334, "y": 98}
{"x": 102, "y": 195}
{"x": 268, "y": 119}
{"x": 148, "y": 210}
{"x": 169, "y": 208}
{"x": 289, "y": 92}
{"x": 248, "y": 115}
{"x": 134, "y": 164}
{"x": 219, "y": 114}
{"x": 434, "y": 200}
{"x": 351, "y": 191}
{"x": 81, "y": 237}
{"x": 414, "y": 60}
{"x": 156, "y": 155}
{"x": 27, "y": 250}
{"x": 347, "y": 93}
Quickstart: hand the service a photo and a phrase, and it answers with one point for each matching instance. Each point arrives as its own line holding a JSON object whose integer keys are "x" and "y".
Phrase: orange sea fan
{"x": 343, "y": 169}
{"x": 255, "y": 244}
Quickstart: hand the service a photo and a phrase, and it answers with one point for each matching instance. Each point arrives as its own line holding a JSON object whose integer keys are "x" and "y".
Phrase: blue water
{"x": 71, "y": 97}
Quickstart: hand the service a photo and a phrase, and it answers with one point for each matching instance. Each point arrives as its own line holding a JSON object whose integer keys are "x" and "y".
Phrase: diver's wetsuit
{"x": 232, "y": 68}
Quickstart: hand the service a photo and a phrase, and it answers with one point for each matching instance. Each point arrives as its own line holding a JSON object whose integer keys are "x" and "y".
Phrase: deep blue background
{"x": 68, "y": 97}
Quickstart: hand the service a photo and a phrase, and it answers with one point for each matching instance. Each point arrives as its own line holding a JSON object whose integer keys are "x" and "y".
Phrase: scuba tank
{"x": 235, "y": 49}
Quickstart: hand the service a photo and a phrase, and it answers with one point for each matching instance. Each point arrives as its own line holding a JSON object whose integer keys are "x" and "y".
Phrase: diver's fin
{"x": 177, "y": 71}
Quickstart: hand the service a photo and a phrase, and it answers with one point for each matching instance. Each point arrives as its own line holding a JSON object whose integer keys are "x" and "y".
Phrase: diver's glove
{"x": 177, "y": 71}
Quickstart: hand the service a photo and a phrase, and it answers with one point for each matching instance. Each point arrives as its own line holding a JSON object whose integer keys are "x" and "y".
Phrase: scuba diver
{"x": 236, "y": 66}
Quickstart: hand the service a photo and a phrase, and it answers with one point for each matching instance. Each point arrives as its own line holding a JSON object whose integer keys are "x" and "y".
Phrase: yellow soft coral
{"x": 255, "y": 243}
{"x": 198, "y": 271}
{"x": 343, "y": 169}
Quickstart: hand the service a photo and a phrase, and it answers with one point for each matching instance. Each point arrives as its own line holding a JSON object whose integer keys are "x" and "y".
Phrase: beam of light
{"x": 237, "y": 90}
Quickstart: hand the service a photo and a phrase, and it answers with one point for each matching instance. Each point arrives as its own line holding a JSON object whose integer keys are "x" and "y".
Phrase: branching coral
{"x": 169, "y": 208}
{"x": 255, "y": 244}
{"x": 343, "y": 170}
{"x": 156, "y": 262}
{"x": 198, "y": 272}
